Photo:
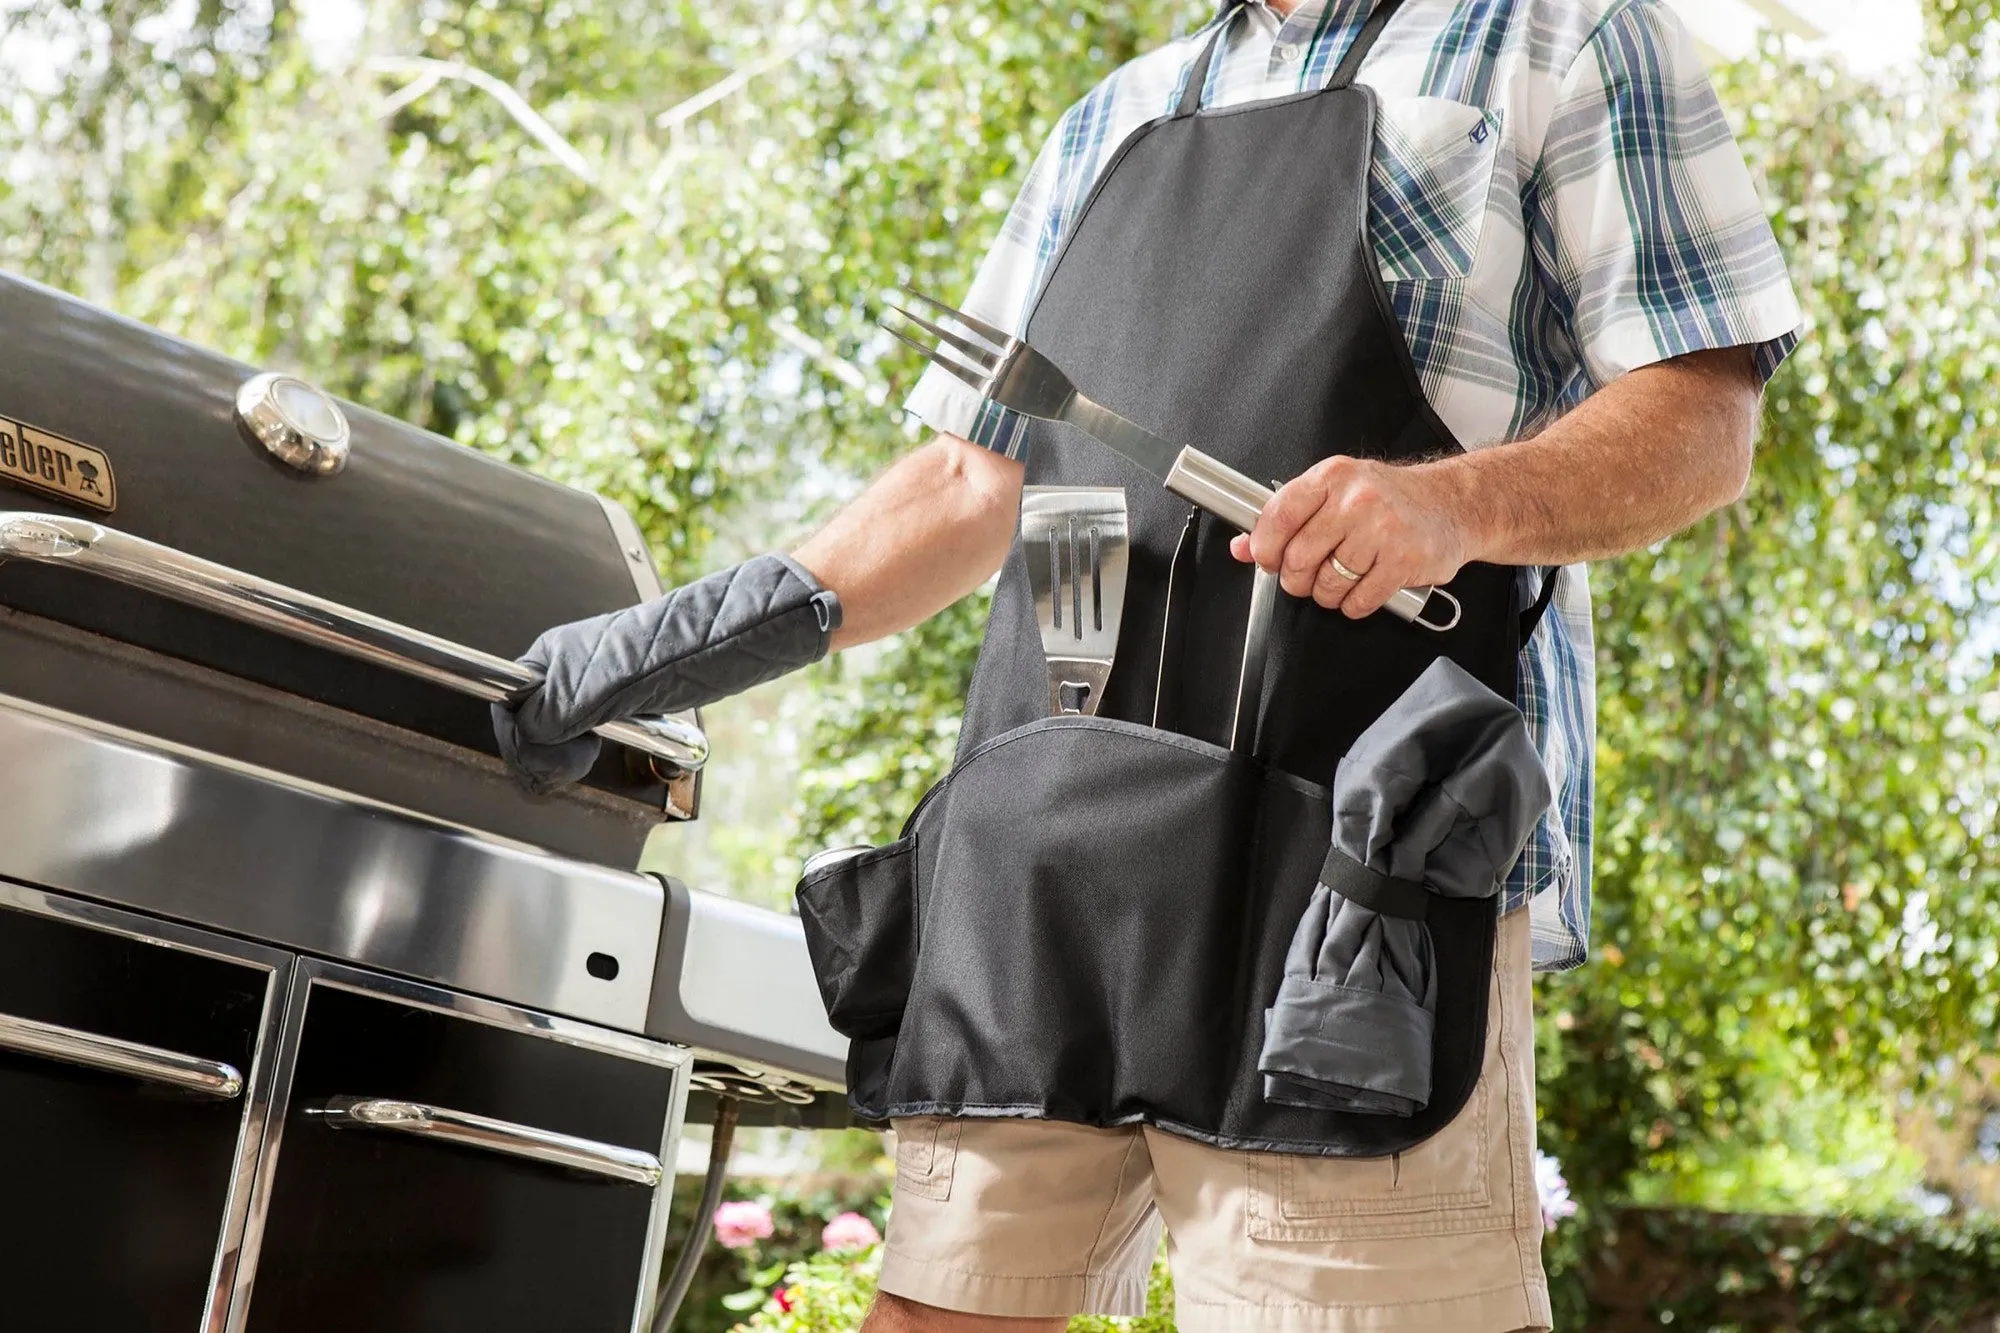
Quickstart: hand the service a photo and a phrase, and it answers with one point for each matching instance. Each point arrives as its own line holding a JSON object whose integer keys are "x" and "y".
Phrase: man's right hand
{"x": 931, "y": 529}
{"x": 717, "y": 636}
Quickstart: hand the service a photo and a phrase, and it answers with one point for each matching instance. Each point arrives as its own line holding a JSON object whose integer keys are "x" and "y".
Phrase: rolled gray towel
{"x": 1437, "y": 797}
{"x": 715, "y": 637}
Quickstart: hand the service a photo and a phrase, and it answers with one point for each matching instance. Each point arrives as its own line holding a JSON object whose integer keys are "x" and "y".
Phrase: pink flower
{"x": 783, "y": 1297}
{"x": 849, "y": 1231}
{"x": 739, "y": 1225}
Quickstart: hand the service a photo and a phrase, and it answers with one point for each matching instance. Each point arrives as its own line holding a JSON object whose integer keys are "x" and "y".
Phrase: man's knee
{"x": 893, "y": 1314}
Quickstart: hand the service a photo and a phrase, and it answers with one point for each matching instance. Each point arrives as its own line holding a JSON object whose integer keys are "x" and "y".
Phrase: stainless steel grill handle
{"x": 210, "y": 1078}
{"x": 477, "y": 1131}
{"x": 52, "y": 539}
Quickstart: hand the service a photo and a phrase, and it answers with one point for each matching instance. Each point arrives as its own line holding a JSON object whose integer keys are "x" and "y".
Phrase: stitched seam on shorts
{"x": 1132, "y": 1141}
{"x": 934, "y": 1266}
{"x": 934, "y": 1183}
{"x": 1293, "y": 1211}
{"x": 1506, "y": 1287}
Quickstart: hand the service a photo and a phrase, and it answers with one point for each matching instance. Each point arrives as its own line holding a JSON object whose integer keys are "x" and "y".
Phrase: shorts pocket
{"x": 1443, "y": 1186}
{"x": 859, "y": 916}
{"x": 927, "y": 1156}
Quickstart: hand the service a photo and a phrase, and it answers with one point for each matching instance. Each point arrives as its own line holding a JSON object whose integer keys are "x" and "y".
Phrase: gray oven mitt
{"x": 1437, "y": 797}
{"x": 715, "y": 637}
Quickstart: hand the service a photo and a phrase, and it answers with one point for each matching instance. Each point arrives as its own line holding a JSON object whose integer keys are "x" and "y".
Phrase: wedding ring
{"x": 1343, "y": 570}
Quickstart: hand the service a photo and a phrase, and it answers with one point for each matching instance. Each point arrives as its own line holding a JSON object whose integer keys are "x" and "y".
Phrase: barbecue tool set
{"x": 1008, "y": 371}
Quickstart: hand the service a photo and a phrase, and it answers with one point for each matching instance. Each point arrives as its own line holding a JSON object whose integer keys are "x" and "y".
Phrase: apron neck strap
{"x": 1197, "y": 78}
{"x": 1350, "y": 64}
{"x": 1343, "y": 75}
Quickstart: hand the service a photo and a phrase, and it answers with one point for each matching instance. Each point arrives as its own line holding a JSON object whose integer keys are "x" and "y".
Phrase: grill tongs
{"x": 1007, "y": 371}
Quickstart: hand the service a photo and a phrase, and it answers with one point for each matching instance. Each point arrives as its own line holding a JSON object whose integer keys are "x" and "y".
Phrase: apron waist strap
{"x": 1372, "y": 889}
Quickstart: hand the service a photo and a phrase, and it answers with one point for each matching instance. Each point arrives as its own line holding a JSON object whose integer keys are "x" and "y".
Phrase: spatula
{"x": 1077, "y": 545}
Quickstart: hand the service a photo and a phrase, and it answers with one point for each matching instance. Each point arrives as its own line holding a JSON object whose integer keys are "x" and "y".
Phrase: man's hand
{"x": 1392, "y": 526}
{"x": 1638, "y": 461}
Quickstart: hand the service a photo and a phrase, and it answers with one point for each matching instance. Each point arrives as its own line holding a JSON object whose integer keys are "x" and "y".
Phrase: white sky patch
{"x": 332, "y": 30}
{"x": 1870, "y": 36}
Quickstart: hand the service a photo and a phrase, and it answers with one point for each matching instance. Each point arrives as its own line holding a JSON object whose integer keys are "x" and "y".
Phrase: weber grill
{"x": 310, "y": 1017}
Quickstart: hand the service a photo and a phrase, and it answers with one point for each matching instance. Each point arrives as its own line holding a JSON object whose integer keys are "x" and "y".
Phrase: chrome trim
{"x": 270, "y": 1059}
{"x": 313, "y": 972}
{"x": 316, "y": 448}
{"x": 632, "y": 545}
{"x": 337, "y": 976}
{"x": 91, "y": 810}
{"x": 110, "y": 1055}
{"x": 775, "y": 1032}
{"x": 466, "y": 1130}
{"x": 661, "y": 1214}
{"x": 292, "y": 1024}
{"x": 76, "y": 543}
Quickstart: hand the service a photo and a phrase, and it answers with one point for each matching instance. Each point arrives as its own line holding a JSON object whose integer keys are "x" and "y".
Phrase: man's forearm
{"x": 928, "y": 531}
{"x": 1637, "y": 462}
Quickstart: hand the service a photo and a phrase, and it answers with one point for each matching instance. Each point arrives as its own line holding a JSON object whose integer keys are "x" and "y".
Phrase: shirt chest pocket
{"x": 1429, "y": 185}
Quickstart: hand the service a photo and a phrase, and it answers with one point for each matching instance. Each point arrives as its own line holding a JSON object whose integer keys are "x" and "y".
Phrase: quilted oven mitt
{"x": 715, "y": 637}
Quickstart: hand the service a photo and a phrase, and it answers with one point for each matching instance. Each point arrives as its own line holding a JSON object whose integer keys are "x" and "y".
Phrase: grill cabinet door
{"x": 129, "y": 1093}
{"x": 375, "y": 1224}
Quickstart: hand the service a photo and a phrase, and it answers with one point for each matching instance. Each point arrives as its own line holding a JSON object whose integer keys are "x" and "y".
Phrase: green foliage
{"x": 1796, "y": 881}
{"x": 885, "y": 737}
{"x": 823, "y": 1293}
{"x": 1641, "y": 1269}
{"x": 830, "y": 1293}
{"x": 1159, "y": 1316}
{"x": 729, "y": 1282}
{"x": 1705, "y": 1273}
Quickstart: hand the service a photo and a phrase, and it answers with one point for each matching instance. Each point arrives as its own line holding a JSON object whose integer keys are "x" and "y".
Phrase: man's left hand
{"x": 1393, "y": 527}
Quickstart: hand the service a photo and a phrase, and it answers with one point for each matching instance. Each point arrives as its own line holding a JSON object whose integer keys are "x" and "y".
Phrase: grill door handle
{"x": 627, "y": 1165}
{"x": 52, "y": 539}
{"x": 210, "y": 1078}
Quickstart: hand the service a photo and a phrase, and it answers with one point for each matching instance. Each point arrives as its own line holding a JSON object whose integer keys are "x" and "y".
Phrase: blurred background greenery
{"x": 637, "y": 245}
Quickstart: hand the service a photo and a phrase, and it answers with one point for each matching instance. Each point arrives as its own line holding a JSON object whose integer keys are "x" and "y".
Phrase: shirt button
{"x": 1291, "y": 51}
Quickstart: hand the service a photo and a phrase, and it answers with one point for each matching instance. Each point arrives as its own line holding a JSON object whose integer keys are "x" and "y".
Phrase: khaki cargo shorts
{"x": 1034, "y": 1218}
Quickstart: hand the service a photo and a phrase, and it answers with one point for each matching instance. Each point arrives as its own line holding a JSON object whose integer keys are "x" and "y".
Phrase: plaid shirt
{"x": 1556, "y": 199}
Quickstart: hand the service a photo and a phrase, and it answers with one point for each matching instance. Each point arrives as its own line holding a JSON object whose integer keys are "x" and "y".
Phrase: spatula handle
{"x": 1238, "y": 500}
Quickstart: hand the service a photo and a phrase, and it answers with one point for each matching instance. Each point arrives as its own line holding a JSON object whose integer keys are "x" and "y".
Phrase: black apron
{"x": 1087, "y": 919}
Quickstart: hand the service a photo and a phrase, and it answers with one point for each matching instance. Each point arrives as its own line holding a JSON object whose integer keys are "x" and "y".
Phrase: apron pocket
{"x": 859, "y": 915}
{"x": 1095, "y": 902}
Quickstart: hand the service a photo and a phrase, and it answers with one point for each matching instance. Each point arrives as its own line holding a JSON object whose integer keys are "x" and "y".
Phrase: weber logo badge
{"x": 64, "y": 468}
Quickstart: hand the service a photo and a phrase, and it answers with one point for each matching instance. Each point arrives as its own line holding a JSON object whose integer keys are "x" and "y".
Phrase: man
{"x": 1578, "y": 286}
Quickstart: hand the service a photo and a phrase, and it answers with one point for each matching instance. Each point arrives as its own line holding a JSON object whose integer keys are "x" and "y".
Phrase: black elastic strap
{"x": 1350, "y": 64}
{"x": 1374, "y": 890}
{"x": 1197, "y": 78}
{"x": 1532, "y": 617}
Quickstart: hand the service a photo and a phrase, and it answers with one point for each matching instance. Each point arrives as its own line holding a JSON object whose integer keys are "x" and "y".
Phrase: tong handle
{"x": 1238, "y": 500}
